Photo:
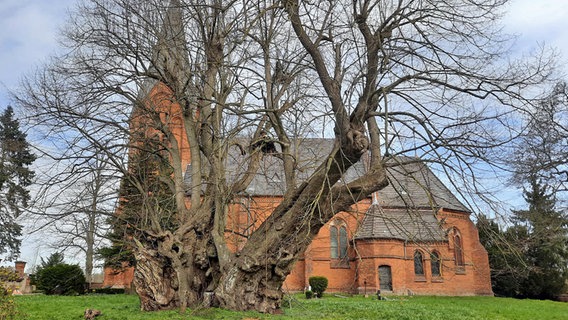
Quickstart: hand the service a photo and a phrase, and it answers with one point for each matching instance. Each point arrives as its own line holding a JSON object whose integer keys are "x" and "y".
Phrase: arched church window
{"x": 435, "y": 264}
{"x": 342, "y": 242}
{"x": 339, "y": 243}
{"x": 334, "y": 243}
{"x": 338, "y": 240}
{"x": 458, "y": 250}
{"x": 418, "y": 263}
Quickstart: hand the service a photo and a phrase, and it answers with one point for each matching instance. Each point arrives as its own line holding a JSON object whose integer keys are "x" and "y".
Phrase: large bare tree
{"x": 384, "y": 78}
{"x": 542, "y": 150}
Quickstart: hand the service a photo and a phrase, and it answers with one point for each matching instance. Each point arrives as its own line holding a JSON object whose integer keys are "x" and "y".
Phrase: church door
{"x": 385, "y": 278}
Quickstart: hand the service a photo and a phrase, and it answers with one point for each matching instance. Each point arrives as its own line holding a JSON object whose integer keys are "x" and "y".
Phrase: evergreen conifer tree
{"x": 15, "y": 176}
{"x": 146, "y": 166}
{"x": 546, "y": 250}
{"x": 529, "y": 259}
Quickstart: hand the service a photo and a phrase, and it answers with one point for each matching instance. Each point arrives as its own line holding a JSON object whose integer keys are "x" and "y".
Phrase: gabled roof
{"x": 412, "y": 183}
{"x": 401, "y": 224}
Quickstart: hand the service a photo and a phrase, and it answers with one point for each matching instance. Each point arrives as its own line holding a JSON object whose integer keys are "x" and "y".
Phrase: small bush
{"x": 318, "y": 284}
{"x": 61, "y": 279}
{"x": 309, "y": 294}
{"x": 7, "y": 306}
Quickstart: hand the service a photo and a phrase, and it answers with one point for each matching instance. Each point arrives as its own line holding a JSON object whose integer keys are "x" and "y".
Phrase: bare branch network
{"x": 190, "y": 101}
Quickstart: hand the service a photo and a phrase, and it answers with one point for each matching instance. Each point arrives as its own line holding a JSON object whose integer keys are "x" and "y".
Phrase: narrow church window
{"x": 418, "y": 263}
{"x": 334, "y": 242}
{"x": 342, "y": 242}
{"x": 435, "y": 264}
{"x": 458, "y": 250}
{"x": 338, "y": 243}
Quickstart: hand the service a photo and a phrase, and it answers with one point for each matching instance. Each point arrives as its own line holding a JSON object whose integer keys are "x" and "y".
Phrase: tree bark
{"x": 155, "y": 281}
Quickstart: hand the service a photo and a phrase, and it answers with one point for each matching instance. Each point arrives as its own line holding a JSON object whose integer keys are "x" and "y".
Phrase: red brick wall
{"x": 118, "y": 278}
{"x": 361, "y": 273}
{"x": 161, "y": 98}
{"x": 317, "y": 258}
{"x": 20, "y": 266}
{"x": 368, "y": 255}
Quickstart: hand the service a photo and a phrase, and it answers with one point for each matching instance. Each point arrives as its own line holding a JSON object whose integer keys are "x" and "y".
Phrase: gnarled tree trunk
{"x": 195, "y": 275}
{"x": 155, "y": 281}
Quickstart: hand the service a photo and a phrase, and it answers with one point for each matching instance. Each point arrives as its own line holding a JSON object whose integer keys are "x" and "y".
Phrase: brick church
{"x": 413, "y": 237}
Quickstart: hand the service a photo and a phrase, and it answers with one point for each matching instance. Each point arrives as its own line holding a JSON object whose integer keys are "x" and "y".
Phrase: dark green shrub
{"x": 318, "y": 284}
{"x": 61, "y": 279}
{"x": 309, "y": 294}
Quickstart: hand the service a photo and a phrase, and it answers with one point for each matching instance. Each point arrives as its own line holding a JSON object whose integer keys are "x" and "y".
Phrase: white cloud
{"x": 534, "y": 17}
{"x": 543, "y": 22}
{"x": 28, "y": 31}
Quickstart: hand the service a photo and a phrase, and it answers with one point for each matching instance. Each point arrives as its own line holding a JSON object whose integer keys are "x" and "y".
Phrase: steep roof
{"x": 412, "y": 183}
{"x": 401, "y": 224}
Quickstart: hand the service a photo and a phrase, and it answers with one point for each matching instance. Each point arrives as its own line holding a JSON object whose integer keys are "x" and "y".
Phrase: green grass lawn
{"x": 117, "y": 307}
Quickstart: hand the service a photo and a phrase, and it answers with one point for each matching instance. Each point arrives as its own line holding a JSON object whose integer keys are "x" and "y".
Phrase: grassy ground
{"x": 117, "y": 307}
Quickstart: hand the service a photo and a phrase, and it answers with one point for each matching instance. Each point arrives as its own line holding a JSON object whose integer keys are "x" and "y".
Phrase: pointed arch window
{"x": 418, "y": 263}
{"x": 458, "y": 251}
{"x": 338, "y": 241}
{"x": 343, "y": 242}
{"x": 435, "y": 264}
{"x": 339, "y": 244}
{"x": 334, "y": 242}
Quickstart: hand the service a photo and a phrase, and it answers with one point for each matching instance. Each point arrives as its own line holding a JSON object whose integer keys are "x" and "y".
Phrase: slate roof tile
{"x": 401, "y": 224}
{"x": 412, "y": 183}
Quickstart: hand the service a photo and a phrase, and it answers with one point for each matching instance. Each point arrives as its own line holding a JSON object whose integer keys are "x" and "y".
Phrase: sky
{"x": 29, "y": 33}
